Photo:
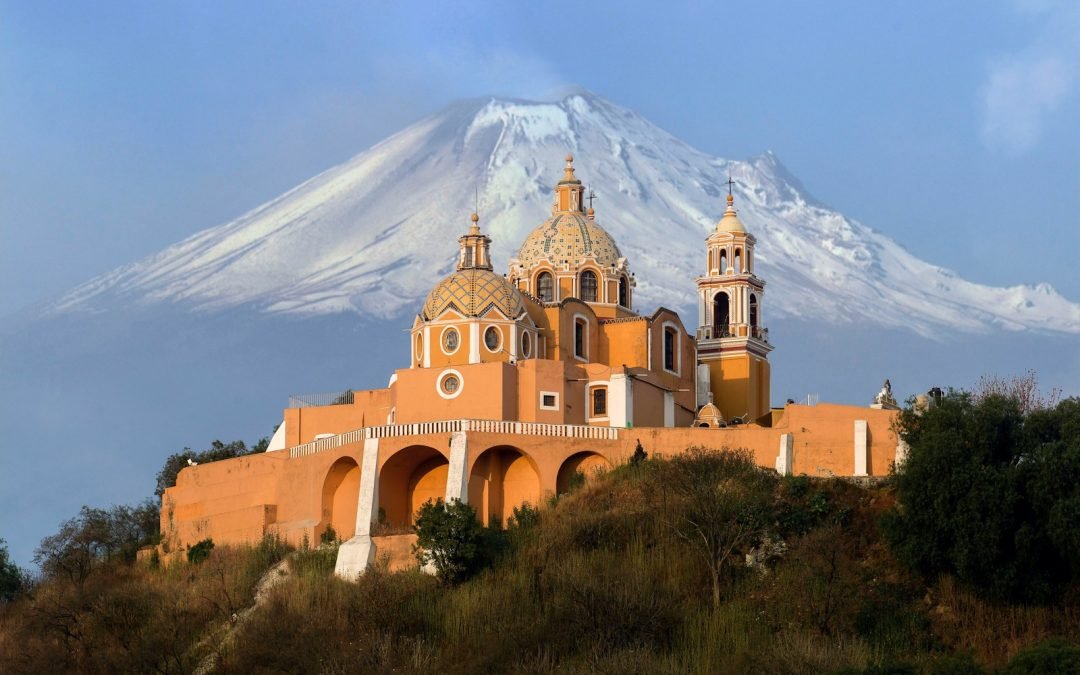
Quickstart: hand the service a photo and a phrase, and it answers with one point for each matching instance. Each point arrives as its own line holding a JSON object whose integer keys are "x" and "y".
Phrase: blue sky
{"x": 954, "y": 127}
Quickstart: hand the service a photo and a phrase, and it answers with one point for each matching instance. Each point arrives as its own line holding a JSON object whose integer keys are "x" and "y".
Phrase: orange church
{"x": 516, "y": 383}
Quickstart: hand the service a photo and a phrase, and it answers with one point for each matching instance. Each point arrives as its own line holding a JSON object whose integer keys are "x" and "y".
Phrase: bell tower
{"x": 733, "y": 344}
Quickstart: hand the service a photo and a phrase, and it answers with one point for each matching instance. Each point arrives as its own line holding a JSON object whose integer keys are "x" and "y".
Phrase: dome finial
{"x": 474, "y": 229}
{"x": 568, "y": 174}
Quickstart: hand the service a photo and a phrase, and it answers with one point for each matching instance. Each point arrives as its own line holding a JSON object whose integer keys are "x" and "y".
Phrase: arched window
{"x": 753, "y": 313}
{"x": 545, "y": 287}
{"x": 738, "y": 261}
{"x": 670, "y": 340}
{"x": 721, "y": 315}
{"x": 624, "y": 292}
{"x": 579, "y": 339}
{"x": 588, "y": 286}
{"x": 723, "y": 262}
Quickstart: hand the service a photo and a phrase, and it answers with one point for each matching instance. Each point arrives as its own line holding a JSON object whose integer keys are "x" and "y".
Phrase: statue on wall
{"x": 884, "y": 398}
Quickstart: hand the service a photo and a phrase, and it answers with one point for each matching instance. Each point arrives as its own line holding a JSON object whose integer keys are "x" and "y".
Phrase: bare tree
{"x": 1024, "y": 389}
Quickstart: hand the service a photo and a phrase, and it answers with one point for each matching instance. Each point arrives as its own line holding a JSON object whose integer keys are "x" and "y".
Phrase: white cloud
{"x": 1023, "y": 90}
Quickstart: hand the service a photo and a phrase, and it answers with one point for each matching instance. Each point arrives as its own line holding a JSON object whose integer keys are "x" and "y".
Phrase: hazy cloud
{"x": 1025, "y": 88}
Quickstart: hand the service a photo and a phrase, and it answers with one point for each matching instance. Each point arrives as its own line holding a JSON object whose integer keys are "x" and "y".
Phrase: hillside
{"x": 597, "y": 581}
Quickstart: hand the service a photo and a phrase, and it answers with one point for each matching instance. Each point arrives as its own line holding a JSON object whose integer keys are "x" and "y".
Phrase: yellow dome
{"x": 569, "y": 236}
{"x": 472, "y": 292}
{"x": 730, "y": 222}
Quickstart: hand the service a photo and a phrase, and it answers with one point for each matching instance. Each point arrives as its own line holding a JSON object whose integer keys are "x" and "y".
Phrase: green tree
{"x": 990, "y": 493}
{"x": 718, "y": 502}
{"x": 11, "y": 577}
{"x": 166, "y": 478}
{"x": 451, "y": 539}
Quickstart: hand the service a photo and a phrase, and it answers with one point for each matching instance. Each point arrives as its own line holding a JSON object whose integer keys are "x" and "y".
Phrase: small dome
{"x": 472, "y": 292}
{"x": 569, "y": 236}
{"x": 730, "y": 221}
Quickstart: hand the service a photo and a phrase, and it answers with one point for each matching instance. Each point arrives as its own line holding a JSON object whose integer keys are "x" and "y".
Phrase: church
{"x": 518, "y": 382}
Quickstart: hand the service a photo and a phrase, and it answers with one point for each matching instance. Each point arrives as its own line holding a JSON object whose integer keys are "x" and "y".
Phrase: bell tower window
{"x": 721, "y": 315}
{"x": 588, "y": 286}
{"x": 545, "y": 287}
{"x": 753, "y": 313}
{"x": 723, "y": 262}
{"x": 624, "y": 294}
{"x": 738, "y": 261}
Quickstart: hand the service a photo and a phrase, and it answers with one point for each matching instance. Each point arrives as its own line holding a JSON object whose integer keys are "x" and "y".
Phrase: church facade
{"x": 518, "y": 382}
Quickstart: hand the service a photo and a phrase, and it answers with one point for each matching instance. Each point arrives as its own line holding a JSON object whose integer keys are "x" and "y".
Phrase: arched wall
{"x": 587, "y": 463}
{"x": 501, "y": 478}
{"x": 340, "y": 496}
{"x": 408, "y": 478}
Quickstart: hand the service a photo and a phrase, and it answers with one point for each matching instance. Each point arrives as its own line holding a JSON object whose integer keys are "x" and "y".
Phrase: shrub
{"x": 1052, "y": 657}
{"x": 451, "y": 539}
{"x": 200, "y": 551}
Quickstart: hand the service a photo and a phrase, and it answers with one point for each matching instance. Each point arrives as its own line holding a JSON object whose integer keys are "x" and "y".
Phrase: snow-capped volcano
{"x": 374, "y": 234}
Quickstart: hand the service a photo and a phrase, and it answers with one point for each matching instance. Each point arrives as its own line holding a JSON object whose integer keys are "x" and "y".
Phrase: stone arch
{"x": 587, "y": 463}
{"x": 410, "y": 477}
{"x": 502, "y": 478}
{"x": 340, "y": 496}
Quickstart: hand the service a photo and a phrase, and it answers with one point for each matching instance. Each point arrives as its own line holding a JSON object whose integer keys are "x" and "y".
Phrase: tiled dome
{"x": 472, "y": 292}
{"x": 569, "y": 236}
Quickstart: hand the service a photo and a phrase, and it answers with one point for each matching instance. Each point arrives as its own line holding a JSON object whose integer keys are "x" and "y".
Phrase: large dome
{"x": 571, "y": 237}
{"x": 472, "y": 292}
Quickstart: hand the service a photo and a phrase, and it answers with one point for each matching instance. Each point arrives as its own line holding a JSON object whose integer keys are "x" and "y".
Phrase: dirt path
{"x": 270, "y": 580}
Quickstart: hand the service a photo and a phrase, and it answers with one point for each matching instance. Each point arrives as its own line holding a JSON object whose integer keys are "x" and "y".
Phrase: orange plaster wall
{"x": 624, "y": 343}
{"x": 369, "y": 408}
{"x": 241, "y": 499}
{"x": 483, "y": 394}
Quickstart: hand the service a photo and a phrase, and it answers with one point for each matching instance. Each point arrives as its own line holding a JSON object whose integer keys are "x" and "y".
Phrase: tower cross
{"x": 592, "y": 196}
{"x": 729, "y": 184}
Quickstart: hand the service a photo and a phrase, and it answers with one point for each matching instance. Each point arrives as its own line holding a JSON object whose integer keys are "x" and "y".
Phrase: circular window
{"x": 492, "y": 337}
{"x": 450, "y": 340}
{"x": 526, "y": 346}
{"x": 419, "y": 347}
{"x": 449, "y": 384}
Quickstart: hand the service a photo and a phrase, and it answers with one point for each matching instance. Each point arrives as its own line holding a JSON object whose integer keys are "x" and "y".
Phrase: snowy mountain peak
{"x": 374, "y": 234}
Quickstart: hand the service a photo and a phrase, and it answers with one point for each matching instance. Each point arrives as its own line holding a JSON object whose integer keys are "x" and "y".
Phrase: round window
{"x": 450, "y": 384}
{"x": 526, "y": 346}
{"x": 450, "y": 340}
{"x": 491, "y": 338}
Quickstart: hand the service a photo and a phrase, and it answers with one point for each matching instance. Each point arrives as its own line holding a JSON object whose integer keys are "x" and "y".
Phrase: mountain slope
{"x": 375, "y": 233}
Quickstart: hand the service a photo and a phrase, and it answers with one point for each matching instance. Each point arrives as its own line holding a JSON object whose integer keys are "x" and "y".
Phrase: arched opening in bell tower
{"x": 723, "y": 261}
{"x": 624, "y": 295}
{"x": 753, "y": 314}
{"x": 721, "y": 315}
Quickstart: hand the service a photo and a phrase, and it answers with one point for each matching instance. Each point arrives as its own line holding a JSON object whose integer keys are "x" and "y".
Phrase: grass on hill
{"x": 606, "y": 580}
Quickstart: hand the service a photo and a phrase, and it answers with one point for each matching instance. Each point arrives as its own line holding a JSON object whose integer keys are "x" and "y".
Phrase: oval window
{"x": 492, "y": 338}
{"x": 450, "y": 340}
{"x": 419, "y": 347}
{"x": 526, "y": 346}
